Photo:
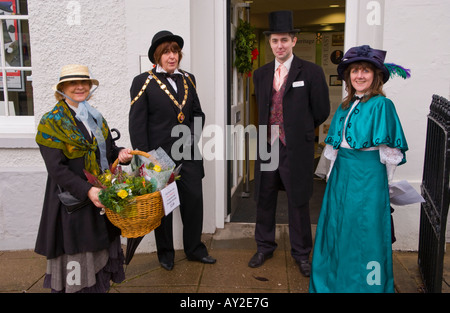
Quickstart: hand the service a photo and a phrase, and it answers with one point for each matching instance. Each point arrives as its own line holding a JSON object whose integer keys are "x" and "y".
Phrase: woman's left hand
{"x": 93, "y": 195}
{"x": 125, "y": 156}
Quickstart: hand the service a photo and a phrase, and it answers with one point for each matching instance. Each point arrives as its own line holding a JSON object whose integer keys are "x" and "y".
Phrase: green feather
{"x": 397, "y": 70}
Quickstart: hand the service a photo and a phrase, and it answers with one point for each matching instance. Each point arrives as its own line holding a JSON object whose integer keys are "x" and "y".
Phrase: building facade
{"x": 112, "y": 38}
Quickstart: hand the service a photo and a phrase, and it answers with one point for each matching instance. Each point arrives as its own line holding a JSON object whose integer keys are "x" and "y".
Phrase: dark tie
{"x": 179, "y": 82}
{"x": 355, "y": 97}
{"x": 172, "y": 76}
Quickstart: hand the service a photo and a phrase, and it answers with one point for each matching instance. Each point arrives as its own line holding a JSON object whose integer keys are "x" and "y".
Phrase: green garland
{"x": 245, "y": 41}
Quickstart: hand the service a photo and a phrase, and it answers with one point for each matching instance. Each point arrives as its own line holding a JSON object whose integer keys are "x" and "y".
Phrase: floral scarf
{"x": 57, "y": 129}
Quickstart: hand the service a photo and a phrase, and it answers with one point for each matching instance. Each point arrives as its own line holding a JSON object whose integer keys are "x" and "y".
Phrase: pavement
{"x": 232, "y": 246}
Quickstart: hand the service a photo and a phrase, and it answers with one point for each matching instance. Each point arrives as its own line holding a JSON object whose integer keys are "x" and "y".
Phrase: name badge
{"x": 299, "y": 83}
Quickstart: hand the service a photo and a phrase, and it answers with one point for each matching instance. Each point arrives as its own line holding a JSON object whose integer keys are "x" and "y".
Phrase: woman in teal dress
{"x": 365, "y": 143}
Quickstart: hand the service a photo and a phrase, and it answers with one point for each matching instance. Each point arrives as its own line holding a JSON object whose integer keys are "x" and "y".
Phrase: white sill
{"x": 16, "y": 141}
{"x": 17, "y": 132}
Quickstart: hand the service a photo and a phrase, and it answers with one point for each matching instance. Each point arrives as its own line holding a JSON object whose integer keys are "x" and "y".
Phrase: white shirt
{"x": 287, "y": 63}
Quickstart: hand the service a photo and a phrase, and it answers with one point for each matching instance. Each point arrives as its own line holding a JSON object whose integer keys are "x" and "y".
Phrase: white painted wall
{"x": 111, "y": 36}
{"x": 208, "y": 38}
{"x": 416, "y": 36}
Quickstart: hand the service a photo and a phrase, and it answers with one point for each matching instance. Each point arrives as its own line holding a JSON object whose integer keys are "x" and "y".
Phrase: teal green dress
{"x": 353, "y": 248}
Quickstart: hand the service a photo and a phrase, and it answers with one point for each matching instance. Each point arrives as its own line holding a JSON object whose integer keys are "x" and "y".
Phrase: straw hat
{"x": 74, "y": 72}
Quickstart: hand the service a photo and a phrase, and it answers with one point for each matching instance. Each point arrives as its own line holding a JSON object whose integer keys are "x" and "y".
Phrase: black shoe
{"x": 258, "y": 259}
{"x": 167, "y": 265}
{"x": 305, "y": 267}
{"x": 206, "y": 259}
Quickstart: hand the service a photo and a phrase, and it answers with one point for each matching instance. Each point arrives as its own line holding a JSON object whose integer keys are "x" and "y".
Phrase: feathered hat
{"x": 367, "y": 54}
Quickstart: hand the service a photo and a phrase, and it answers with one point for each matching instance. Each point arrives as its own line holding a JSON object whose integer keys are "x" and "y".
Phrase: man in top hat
{"x": 292, "y": 94}
{"x": 162, "y": 99}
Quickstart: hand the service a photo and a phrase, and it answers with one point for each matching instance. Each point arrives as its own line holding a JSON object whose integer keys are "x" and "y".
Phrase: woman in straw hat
{"x": 365, "y": 143}
{"x": 82, "y": 247}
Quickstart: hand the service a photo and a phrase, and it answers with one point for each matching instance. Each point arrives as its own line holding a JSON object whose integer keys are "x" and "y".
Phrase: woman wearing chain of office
{"x": 162, "y": 99}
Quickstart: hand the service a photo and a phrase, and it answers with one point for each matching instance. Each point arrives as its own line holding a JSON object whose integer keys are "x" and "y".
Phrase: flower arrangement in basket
{"x": 133, "y": 200}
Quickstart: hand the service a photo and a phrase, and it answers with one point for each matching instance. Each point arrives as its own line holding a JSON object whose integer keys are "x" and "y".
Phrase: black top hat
{"x": 159, "y": 38}
{"x": 281, "y": 22}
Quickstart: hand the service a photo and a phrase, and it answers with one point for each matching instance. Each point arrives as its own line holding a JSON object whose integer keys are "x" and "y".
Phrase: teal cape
{"x": 370, "y": 124}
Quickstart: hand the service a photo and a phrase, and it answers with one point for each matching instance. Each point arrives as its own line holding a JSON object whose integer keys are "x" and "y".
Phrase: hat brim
{"x": 270, "y": 32}
{"x": 152, "y": 49}
{"x": 94, "y": 81}
{"x": 344, "y": 64}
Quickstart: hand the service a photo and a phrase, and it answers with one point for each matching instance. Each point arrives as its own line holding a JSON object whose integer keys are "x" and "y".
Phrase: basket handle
{"x": 135, "y": 152}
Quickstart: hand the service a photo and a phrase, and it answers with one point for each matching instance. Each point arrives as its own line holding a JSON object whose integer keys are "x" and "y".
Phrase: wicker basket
{"x": 140, "y": 216}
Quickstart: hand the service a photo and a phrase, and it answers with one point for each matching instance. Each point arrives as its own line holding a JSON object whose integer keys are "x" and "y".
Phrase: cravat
{"x": 355, "y": 97}
{"x": 280, "y": 74}
{"x": 86, "y": 114}
{"x": 177, "y": 79}
{"x": 172, "y": 76}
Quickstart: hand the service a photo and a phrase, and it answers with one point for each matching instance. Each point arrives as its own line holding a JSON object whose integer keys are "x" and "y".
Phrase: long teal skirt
{"x": 353, "y": 247}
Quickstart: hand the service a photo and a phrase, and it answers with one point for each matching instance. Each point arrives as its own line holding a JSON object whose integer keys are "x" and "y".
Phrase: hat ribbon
{"x": 74, "y": 76}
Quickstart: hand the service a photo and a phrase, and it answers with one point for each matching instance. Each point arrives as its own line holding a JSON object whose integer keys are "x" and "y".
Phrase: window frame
{"x": 15, "y": 131}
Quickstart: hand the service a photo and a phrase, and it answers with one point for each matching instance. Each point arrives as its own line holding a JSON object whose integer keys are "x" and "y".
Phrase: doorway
{"x": 321, "y": 41}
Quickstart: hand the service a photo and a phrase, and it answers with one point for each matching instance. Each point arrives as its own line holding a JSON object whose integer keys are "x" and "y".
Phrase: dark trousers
{"x": 299, "y": 221}
{"x": 191, "y": 209}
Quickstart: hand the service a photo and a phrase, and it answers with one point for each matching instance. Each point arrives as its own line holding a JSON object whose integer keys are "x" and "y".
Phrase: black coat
{"x": 83, "y": 230}
{"x": 153, "y": 116}
{"x": 304, "y": 108}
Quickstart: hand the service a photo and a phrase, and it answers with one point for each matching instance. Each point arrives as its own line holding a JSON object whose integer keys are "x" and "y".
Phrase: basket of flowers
{"x": 133, "y": 201}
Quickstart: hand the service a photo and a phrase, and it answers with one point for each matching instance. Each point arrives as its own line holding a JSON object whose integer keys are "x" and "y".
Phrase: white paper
{"x": 402, "y": 193}
{"x": 170, "y": 198}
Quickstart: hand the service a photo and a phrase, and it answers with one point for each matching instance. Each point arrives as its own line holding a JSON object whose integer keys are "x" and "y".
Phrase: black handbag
{"x": 70, "y": 202}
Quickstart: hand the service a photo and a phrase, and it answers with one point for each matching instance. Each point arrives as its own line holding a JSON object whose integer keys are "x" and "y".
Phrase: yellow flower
{"x": 123, "y": 194}
{"x": 157, "y": 168}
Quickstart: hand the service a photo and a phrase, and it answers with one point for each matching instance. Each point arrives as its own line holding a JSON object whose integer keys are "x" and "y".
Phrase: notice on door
{"x": 170, "y": 198}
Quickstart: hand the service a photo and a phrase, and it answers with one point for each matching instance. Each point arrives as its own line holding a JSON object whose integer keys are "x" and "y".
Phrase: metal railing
{"x": 435, "y": 191}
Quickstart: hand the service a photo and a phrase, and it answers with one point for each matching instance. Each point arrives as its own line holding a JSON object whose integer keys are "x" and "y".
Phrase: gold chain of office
{"x": 164, "y": 88}
{"x": 180, "y": 106}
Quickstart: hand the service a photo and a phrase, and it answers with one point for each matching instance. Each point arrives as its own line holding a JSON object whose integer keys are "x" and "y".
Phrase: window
{"x": 16, "y": 91}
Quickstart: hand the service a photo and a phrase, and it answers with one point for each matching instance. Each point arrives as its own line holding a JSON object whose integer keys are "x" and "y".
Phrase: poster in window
{"x": 12, "y": 46}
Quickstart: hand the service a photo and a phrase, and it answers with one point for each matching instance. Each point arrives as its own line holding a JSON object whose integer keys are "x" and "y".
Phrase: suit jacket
{"x": 85, "y": 229}
{"x": 153, "y": 116}
{"x": 306, "y": 105}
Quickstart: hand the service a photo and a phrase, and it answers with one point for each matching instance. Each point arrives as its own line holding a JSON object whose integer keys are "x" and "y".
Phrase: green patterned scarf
{"x": 57, "y": 129}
